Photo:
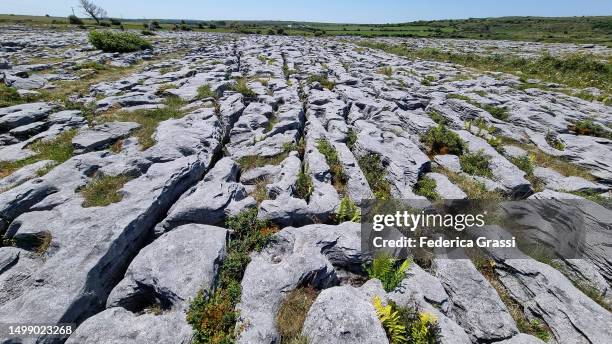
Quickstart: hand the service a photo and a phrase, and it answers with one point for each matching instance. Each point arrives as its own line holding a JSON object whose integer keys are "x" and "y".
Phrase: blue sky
{"x": 346, "y": 11}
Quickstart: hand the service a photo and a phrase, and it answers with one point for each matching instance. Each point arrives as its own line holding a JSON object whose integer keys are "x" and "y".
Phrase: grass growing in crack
{"x": 500, "y": 113}
{"x": 556, "y": 163}
{"x": 371, "y": 165}
{"x": 348, "y": 211}
{"x": 34, "y": 242}
{"x": 437, "y": 117}
{"x": 205, "y": 91}
{"x": 92, "y": 65}
{"x": 10, "y": 97}
{"x": 212, "y": 313}
{"x": 103, "y": 191}
{"x": 351, "y": 138}
{"x": 487, "y": 268}
{"x": 304, "y": 186}
{"x": 253, "y": 161}
{"x": 292, "y": 314}
{"x": 526, "y": 164}
{"x": 58, "y": 149}
{"x": 241, "y": 87}
{"x": 148, "y": 119}
{"x": 574, "y": 70}
{"x": 323, "y": 80}
{"x": 590, "y": 128}
{"x": 386, "y": 70}
{"x": 427, "y": 187}
{"x": 388, "y": 270}
{"x": 476, "y": 164}
{"x": 260, "y": 192}
{"x": 441, "y": 140}
{"x": 339, "y": 178}
{"x": 553, "y": 141}
{"x": 472, "y": 188}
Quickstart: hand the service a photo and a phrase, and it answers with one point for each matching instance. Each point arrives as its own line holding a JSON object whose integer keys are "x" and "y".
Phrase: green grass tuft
{"x": 476, "y": 164}
{"x": 427, "y": 187}
{"x": 103, "y": 191}
{"x": 442, "y": 140}
{"x": 371, "y": 165}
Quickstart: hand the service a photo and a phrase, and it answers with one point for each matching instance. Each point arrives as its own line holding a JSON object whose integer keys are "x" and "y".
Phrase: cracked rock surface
{"x": 126, "y": 270}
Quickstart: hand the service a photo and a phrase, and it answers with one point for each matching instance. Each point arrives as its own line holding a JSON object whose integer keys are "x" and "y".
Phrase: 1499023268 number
{"x": 36, "y": 330}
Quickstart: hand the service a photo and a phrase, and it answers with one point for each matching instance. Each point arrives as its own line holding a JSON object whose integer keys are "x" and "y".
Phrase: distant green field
{"x": 541, "y": 29}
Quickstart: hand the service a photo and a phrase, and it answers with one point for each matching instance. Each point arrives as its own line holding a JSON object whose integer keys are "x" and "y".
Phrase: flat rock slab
{"x": 101, "y": 136}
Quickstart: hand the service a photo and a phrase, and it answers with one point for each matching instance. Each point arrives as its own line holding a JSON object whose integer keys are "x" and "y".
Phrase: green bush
{"x": 348, "y": 211}
{"x": 437, "y": 117}
{"x": 351, "y": 138}
{"x": 385, "y": 269}
{"x": 115, "y": 22}
{"x": 426, "y": 187}
{"x": 119, "y": 42}
{"x": 442, "y": 140}
{"x": 74, "y": 20}
{"x": 147, "y": 33}
{"x": 476, "y": 164}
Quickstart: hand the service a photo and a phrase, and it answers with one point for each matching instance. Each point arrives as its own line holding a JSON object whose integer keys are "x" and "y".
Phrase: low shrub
{"x": 590, "y": 128}
{"x": 212, "y": 313}
{"x": 373, "y": 170}
{"x": 442, "y": 140}
{"x": 118, "y": 42}
{"x": 147, "y": 33}
{"x": 385, "y": 268}
{"x": 74, "y": 20}
{"x": 437, "y": 117}
{"x": 426, "y": 187}
{"x": 476, "y": 164}
{"x": 8, "y": 96}
{"x": 115, "y": 22}
{"x": 348, "y": 211}
{"x": 500, "y": 113}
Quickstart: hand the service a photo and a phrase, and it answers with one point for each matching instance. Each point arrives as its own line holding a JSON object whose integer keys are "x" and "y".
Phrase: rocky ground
{"x": 225, "y": 149}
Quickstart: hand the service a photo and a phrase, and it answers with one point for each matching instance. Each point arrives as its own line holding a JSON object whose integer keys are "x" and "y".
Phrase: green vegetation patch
{"x": 405, "y": 325}
{"x": 476, "y": 164}
{"x": 473, "y": 189}
{"x": 118, "y": 42}
{"x": 371, "y": 165}
{"x": 442, "y": 140}
{"x": 339, "y": 178}
{"x": 388, "y": 270}
{"x": 205, "y": 91}
{"x": 348, "y": 211}
{"x": 304, "y": 186}
{"x": 10, "y": 97}
{"x": 103, "y": 191}
{"x": 58, "y": 149}
{"x": 241, "y": 87}
{"x": 426, "y": 187}
{"x": 292, "y": 314}
{"x": 323, "y": 80}
{"x": 212, "y": 313}
{"x": 590, "y": 128}
{"x": 573, "y": 70}
{"x": 148, "y": 119}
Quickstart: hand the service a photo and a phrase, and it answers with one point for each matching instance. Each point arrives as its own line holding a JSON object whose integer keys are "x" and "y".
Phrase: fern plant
{"x": 384, "y": 268}
{"x": 391, "y": 322}
{"x": 423, "y": 331}
{"x": 348, "y": 211}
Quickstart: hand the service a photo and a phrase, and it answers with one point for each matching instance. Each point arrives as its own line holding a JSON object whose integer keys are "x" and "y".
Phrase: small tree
{"x": 93, "y": 10}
